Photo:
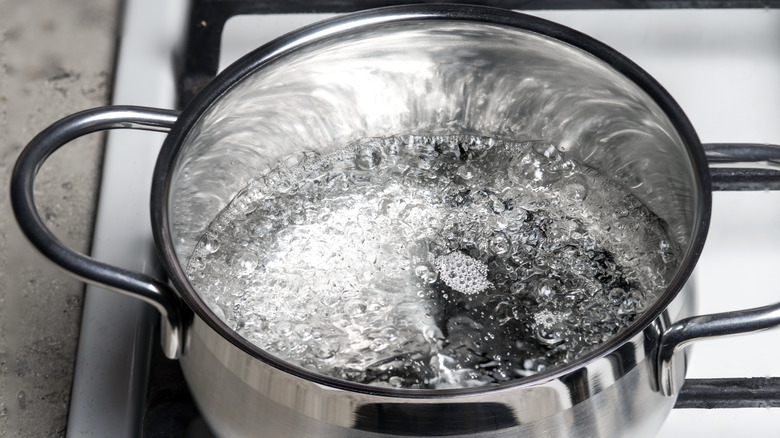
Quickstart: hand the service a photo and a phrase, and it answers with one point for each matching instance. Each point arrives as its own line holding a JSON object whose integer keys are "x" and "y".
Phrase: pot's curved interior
{"x": 433, "y": 77}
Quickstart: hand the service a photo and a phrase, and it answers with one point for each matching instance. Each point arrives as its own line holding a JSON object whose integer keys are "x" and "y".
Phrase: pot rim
{"x": 396, "y": 14}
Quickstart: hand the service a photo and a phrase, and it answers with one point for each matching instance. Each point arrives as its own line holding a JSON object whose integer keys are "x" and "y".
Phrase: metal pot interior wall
{"x": 430, "y": 77}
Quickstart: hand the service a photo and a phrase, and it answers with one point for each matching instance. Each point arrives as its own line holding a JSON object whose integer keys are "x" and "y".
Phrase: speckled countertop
{"x": 56, "y": 57}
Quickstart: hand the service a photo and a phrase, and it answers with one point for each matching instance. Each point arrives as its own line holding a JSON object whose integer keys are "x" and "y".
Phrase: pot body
{"x": 614, "y": 396}
{"x": 429, "y": 70}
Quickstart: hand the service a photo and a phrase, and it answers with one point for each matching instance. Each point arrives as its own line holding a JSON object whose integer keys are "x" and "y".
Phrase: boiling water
{"x": 432, "y": 262}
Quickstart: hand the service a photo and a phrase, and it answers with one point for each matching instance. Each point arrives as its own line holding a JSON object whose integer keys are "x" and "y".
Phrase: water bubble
{"x": 425, "y": 273}
{"x": 616, "y": 295}
{"x": 575, "y": 192}
{"x": 465, "y": 171}
{"x": 303, "y": 331}
{"x": 548, "y": 318}
{"x": 461, "y": 199}
{"x": 549, "y": 335}
{"x": 196, "y": 264}
{"x": 390, "y": 333}
{"x": 326, "y": 349}
{"x": 546, "y": 289}
{"x": 246, "y": 263}
{"x": 546, "y": 150}
{"x": 367, "y": 157}
{"x": 396, "y": 381}
{"x": 279, "y": 346}
{"x": 210, "y": 245}
{"x": 285, "y": 328}
{"x": 355, "y": 308}
{"x": 500, "y": 244}
{"x": 378, "y": 344}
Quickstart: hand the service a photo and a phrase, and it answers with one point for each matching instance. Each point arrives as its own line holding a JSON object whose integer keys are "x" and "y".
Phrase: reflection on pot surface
{"x": 432, "y": 262}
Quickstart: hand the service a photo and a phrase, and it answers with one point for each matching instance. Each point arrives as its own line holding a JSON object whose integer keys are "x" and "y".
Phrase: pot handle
{"x": 142, "y": 286}
{"x": 732, "y": 167}
{"x": 744, "y": 166}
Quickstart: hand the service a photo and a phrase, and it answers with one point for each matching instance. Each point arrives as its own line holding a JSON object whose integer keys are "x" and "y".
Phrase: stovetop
{"x": 721, "y": 65}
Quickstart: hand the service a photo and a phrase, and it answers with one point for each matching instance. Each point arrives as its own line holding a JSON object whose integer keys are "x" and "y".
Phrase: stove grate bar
{"x": 730, "y": 393}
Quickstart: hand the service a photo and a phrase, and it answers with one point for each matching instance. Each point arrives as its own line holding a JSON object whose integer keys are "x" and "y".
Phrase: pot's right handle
{"x": 144, "y": 287}
{"x": 732, "y": 167}
{"x": 744, "y": 166}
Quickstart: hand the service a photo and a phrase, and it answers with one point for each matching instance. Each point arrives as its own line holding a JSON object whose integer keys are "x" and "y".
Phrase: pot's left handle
{"x": 142, "y": 286}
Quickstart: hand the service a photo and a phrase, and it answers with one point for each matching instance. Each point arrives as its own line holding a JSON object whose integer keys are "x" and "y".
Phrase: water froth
{"x": 432, "y": 262}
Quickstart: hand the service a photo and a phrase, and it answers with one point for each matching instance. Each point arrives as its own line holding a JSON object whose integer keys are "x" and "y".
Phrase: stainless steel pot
{"x": 435, "y": 69}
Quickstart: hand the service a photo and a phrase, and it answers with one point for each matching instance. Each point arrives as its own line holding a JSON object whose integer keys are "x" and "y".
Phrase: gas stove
{"x": 721, "y": 65}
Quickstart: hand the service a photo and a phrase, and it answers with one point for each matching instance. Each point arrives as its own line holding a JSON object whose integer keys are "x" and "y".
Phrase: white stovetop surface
{"x": 723, "y": 68}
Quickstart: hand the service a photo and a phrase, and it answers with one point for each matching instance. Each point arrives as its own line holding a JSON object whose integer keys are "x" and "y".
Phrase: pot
{"x": 437, "y": 70}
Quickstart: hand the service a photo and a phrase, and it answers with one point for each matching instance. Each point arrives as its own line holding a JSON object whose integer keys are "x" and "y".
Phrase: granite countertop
{"x": 56, "y": 58}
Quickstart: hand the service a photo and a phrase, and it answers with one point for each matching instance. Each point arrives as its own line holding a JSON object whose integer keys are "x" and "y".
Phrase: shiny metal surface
{"x": 140, "y": 286}
{"x": 759, "y": 156}
{"x": 612, "y": 396}
{"x": 744, "y": 166}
